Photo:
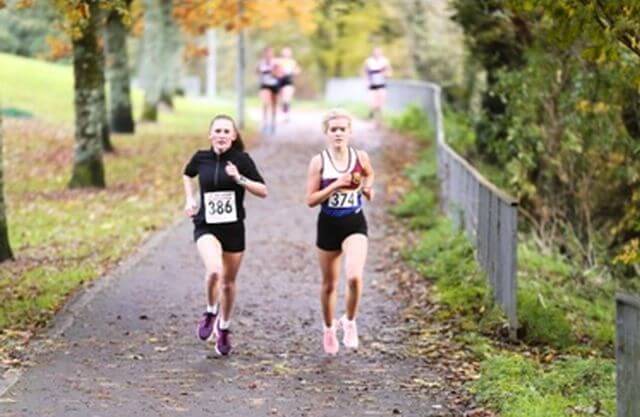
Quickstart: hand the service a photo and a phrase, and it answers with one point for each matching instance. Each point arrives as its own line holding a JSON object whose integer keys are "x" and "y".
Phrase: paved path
{"x": 132, "y": 350}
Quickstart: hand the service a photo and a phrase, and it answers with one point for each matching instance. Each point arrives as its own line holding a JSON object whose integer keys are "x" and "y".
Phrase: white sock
{"x": 224, "y": 324}
{"x": 212, "y": 309}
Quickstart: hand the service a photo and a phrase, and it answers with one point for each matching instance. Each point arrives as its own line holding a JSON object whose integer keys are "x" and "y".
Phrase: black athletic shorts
{"x": 230, "y": 235}
{"x": 273, "y": 88}
{"x": 286, "y": 80}
{"x": 377, "y": 87}
{"x": 332, "y": 231}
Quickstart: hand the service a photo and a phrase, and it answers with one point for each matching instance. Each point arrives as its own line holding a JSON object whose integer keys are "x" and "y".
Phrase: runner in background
{"x": 288, "y": 68}
{"x": 337, "y": 179}
{"x": 269, "y": 87}
{"x": 376, "y": 70}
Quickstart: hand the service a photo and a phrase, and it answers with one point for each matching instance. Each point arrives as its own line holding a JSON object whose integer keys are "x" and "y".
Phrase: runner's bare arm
{"x": 388, "y": 71}
{"x": 369, "y": 175}
{"x": 315, "y": 195}
{"x": 190, "y": 205}
{"x": 254, "y": 187}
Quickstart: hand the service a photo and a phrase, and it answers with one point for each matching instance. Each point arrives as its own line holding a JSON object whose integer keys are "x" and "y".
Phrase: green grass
{"x": 46, "y": 90}
{"x": 564, "y": 313}
{"x": 517, "y": 386}
{"x": 64, "y": 238}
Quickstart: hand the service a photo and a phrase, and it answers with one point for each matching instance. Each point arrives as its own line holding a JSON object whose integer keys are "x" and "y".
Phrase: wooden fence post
{"x": 628, "y": 355}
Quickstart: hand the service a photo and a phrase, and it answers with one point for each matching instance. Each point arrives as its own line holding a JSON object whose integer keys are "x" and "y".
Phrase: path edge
{"x": 65, "y": 318}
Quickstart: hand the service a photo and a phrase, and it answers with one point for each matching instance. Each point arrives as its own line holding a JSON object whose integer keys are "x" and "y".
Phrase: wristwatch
{"x": 242, "y": 180}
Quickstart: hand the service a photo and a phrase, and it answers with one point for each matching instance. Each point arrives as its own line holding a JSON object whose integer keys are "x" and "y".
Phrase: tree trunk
{"x": 118, "y": 74}
{"x": 211, "y": 63}
{"x": 171, "y": 55}
{"x": 241, "y": 68}
{"x": 151, "y": 59}
{"x": 88, "y": 73}
{"x": 5, "y": 248}
{"x": 105, "y": 132}
{"x": 631, "y": 112}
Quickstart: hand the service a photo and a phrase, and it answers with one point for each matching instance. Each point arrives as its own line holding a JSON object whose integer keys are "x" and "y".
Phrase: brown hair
{"x": 237, "y": 144}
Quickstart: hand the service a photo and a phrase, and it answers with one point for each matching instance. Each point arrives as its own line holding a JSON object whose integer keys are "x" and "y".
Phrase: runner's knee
{"x": 354, "y": 280}
{"x": 328, "y": 287}
{"x": 228, "y": 285}
{"x": 212, "y": 276}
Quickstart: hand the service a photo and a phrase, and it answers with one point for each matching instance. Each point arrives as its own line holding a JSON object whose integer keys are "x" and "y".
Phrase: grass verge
{"x": 65, "y": 238}
{"x": 564, "y": 365}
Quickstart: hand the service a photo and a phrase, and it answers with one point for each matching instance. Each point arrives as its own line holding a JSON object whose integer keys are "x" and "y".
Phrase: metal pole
{"x": 240, "y": 69}
{"x": 211, "y": 63}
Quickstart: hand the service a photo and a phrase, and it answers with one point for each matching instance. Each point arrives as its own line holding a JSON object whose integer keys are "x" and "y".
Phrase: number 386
{"x": 220, "y": 207}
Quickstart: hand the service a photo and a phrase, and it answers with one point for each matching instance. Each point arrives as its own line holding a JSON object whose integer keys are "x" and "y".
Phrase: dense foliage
{"x": 28, "y": 31}
{"x": 565, "y": 74}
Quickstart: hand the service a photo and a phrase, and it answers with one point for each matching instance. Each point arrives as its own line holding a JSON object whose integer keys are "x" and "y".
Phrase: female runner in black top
{"x": 224, "y": 172}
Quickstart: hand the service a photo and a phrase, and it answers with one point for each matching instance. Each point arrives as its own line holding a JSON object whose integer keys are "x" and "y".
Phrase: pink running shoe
{"x": 330, "y": 340}
{"x": 350, "y": 337}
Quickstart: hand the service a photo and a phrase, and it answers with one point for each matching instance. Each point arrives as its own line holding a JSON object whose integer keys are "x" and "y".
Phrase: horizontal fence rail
{"x": 628, "y": 355}
{"x": 487, "y": 214}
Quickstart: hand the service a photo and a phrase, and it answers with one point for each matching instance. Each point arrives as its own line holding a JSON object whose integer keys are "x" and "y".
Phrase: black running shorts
{"x": 230, "y": 235}
{"x": 332, "y": 231}
{"x": 285, "y": 81}
{"x": 275, "y": 89}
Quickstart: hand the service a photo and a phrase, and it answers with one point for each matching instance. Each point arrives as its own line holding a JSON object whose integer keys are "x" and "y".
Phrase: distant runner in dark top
{"x": 224, "y": 172}
{"x": 337, "y": 180}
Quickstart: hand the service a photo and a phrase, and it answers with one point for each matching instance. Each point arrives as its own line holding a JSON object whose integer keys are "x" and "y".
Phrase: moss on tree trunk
{"x": 118, "y": 74}
{"x": 88, "y": 168}
{"x": 152, "y": 64}
{"x": 149, "y": 112}
{"x": 5, "y": 247}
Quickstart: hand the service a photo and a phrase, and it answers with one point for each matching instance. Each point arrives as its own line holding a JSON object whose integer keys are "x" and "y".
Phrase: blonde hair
{"x": 335, "y": 114}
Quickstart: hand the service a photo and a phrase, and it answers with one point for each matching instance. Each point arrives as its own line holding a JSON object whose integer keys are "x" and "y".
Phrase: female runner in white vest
{"x": 337, "y": 179}
{"x": 376, "y": 70}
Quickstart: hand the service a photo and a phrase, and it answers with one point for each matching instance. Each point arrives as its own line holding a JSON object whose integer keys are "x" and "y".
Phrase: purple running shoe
{"x": 223, "y": 339}
{"x": 205, "y": 325}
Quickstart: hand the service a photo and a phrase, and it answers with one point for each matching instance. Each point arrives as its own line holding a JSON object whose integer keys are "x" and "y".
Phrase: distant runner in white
{"x": 376, "y": 70}
{"x": 289, "y": 68}
{"x": 224, "y": 172}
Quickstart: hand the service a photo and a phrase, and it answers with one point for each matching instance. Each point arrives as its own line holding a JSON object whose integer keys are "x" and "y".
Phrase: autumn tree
{"x": 5, "y": 248}
{"x": 118, "y": 71}
{"x": 82, "y": 21}
{"x": 171, "y": 54}
{"x": 151, "y": 68}
{"x": 346, "y": 32}
{"x": 196, "y": 16}
{"x": 88, "y": 167}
